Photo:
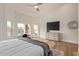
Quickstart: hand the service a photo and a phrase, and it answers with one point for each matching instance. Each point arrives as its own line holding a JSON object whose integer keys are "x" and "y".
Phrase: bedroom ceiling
{"x": 44, "y": 8}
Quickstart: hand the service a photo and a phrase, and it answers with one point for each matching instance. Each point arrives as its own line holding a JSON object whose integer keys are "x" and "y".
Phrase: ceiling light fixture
{"x": 36, "y": 7}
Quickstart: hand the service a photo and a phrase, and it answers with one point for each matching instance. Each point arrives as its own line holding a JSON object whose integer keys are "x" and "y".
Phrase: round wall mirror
{"x": 73, "y": 24}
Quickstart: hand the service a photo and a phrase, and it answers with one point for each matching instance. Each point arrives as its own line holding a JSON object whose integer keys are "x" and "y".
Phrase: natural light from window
{"x": 9, "y": 29}
{"x": 21, "y": 28}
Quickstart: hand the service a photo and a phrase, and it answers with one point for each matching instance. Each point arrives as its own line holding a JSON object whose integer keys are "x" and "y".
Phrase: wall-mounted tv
{"x": 54, "y": 26}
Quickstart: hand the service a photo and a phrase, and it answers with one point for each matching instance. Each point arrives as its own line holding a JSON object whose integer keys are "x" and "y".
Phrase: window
{"x": 9, "y": 29}
{"x": 36, "y": 30}
{"x": 28, "y": 29}
{"x": 21, "y": 29}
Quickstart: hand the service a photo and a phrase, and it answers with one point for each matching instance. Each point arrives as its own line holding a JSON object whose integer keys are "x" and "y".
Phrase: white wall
{"x": 64, "y": 14}
{"x": 2, "y": 22}
{"x": 17, "y": 17}
{"x": 61, "y": 12}
{"x": 25, "y": 19}
{"x": 8, "y": 13}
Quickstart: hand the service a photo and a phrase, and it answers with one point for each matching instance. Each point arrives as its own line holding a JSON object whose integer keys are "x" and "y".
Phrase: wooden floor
{"x": 69, "y": 49}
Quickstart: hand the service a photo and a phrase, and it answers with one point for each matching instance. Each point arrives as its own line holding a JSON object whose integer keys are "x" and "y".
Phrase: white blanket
{"x": 19, "y": 48}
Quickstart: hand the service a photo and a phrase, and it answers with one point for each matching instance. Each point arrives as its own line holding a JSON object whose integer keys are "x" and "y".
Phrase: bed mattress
{"x": 16, "y": 47}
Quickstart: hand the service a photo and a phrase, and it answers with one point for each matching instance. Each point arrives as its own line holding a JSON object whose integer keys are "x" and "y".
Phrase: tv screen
{"x": 53, "y": 26}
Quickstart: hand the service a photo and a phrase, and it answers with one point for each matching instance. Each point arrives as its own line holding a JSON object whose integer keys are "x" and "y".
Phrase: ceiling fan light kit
{"x": 35, "y": 5}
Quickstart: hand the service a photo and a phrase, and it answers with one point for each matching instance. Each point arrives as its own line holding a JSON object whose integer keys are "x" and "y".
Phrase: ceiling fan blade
{"x": 38, "y": 4}
{"x": 34, "y": 4}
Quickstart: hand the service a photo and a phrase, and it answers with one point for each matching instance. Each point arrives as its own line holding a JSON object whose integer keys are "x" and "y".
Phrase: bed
{"x": 23, "y": 47}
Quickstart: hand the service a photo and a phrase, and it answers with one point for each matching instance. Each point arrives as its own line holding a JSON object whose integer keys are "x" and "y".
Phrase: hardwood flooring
{"x": 69, "y": 49}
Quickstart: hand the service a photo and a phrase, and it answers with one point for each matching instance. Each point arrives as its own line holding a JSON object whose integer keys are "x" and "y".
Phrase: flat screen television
{"x": 54, "y": 26}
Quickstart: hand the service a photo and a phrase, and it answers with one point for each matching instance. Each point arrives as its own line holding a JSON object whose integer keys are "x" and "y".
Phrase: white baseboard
{"x": 70, "y": 41}
{"x": 65, "y": 41}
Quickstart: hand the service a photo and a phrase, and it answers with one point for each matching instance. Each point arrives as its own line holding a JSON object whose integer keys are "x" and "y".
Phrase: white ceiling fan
{"x": 35, "y": 5}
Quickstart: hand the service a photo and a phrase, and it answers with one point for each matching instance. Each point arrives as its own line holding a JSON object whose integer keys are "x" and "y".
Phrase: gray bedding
{"x": 41, "y": 44}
